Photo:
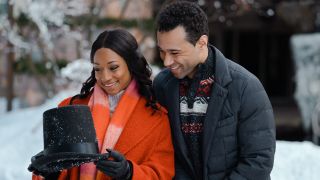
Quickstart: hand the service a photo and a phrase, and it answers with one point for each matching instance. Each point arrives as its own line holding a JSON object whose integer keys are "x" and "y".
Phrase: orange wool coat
{"x": 145, "y": 141}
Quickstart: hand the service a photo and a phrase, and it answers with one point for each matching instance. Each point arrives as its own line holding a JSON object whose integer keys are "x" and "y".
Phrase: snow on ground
{"x": 296, "y": 161}
{"x": 21, "y": 138}
{"x": 3, "y": 105}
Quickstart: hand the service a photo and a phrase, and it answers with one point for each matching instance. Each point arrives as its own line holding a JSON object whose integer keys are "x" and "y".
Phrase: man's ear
{"x": 203, "y": 41}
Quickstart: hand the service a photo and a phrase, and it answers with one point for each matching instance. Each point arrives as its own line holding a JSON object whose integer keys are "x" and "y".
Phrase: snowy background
{"x": 21, "y": 138}
{"x": 21, "y": 129}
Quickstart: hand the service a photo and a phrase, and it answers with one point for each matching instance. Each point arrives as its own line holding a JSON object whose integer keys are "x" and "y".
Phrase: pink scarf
{"x": 108, "y": 129}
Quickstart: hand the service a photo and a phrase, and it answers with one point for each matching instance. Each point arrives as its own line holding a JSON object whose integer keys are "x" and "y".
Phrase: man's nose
{"x": 167, "y": 60}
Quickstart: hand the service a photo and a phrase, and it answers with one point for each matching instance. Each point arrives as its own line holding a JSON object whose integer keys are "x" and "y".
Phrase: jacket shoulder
{"x": 162, "y": 78}
{"x": 242, "y": 76}
{"x": 160, "y": 84}
{"x": 148, "y": 110}
{"x": 236, "y": 70}
{"x": 65, "y": 102}
{"x": 162, "y": 109}
{"x": 78, "y": 101}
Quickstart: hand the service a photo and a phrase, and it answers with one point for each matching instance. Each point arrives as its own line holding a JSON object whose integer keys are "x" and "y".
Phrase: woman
{"x": 129, "y": 124}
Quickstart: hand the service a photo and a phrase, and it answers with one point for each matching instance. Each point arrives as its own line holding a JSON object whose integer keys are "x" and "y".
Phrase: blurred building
{"x": 135, "y": 9}
{"x": 112, "y": 11}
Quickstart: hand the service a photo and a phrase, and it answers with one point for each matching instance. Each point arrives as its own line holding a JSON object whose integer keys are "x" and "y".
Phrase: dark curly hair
{"x": 125, "y": 45}
{"x": 186, "y": 14}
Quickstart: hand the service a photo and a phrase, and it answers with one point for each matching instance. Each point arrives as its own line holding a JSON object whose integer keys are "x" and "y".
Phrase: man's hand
{"x": 117, "y": 167}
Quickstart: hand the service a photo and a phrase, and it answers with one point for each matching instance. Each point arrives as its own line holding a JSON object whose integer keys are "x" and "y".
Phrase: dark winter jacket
{"x": 239, "y": 129}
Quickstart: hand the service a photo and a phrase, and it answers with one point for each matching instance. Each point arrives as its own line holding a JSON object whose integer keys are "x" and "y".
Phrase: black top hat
{"x": 69, "y": 139}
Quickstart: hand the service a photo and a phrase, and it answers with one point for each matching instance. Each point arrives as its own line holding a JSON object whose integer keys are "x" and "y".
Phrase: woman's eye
{"x": 112, "y": 68}
{"x": 96, "y": 69}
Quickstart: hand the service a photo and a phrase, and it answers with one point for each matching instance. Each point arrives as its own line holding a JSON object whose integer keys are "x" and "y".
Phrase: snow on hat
{"x": 69, "y": 139}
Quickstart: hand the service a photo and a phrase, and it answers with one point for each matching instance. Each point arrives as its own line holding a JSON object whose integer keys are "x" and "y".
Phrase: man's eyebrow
{"x": 171, "y": 50}
{"x": 174, "y": 49}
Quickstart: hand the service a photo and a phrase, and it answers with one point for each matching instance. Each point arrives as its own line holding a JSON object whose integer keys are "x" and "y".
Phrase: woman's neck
{"x": 114, "y": 100}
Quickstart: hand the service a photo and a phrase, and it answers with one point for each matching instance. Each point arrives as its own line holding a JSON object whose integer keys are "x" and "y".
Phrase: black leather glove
{"x": 45, "y": 175}
{"x": 118, "y": 167}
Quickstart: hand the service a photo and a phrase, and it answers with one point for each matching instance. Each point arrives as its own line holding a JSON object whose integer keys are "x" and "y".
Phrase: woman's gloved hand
{"x": 116, "y": 166}
{"x": 33, "y": 169}
{"x": 45, "y": 175}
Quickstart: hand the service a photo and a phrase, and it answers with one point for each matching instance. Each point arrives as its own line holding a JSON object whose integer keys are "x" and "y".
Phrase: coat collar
{"x": 222, "y": 74}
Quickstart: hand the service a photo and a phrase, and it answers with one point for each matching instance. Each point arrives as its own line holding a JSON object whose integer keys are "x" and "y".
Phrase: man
{"x": 221, "y": 118}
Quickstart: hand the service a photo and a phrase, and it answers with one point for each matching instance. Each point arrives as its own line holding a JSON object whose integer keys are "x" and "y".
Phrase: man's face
{"x": 178, "y": 54}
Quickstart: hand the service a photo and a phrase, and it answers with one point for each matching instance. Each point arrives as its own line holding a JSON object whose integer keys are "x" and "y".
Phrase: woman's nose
{"x": 106, "y": 75}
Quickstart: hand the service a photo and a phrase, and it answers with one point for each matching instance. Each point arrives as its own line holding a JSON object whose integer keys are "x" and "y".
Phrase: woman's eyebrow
{"x": 110, "y": 62}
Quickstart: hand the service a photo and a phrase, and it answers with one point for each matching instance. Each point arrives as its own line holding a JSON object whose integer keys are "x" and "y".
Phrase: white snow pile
{"x": 21, "y": 137}
{"x": 296, "y": 161}
{"x": 306, "y": 55}
{"x": 78, "y": 71}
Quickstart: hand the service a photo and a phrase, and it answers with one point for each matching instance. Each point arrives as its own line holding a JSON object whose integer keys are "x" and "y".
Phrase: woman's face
{"x": 111, "y": 71}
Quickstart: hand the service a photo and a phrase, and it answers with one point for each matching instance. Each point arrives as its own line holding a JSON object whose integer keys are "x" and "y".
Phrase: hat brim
{"x": 64, "y": 160}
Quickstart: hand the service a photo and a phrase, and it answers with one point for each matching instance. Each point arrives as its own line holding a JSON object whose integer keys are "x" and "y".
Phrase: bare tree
{"x": 10, "y": 62}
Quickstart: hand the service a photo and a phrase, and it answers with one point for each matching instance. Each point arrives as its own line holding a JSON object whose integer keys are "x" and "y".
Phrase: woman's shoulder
{"x": 148, "y": 112}
{"x": 75, "y": 100}
{"x": 162, "y": 109}
{"x": 65, "y": 102}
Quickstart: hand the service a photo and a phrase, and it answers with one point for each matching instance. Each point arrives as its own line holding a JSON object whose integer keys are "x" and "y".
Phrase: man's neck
{"x": 203, "y": 57}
